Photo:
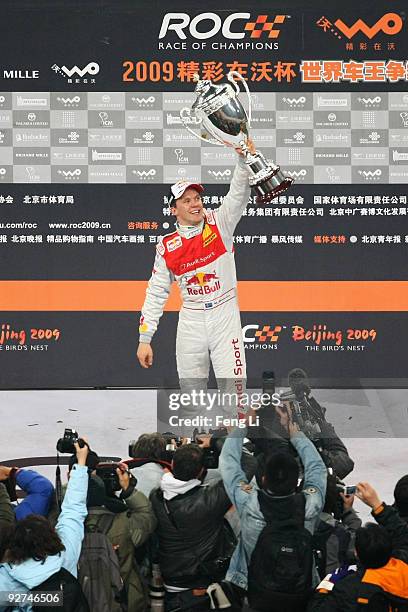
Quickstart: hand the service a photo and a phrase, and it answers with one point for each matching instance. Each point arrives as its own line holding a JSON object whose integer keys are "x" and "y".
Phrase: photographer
{"x": 401, "y": 497}
{"x": 148, "y": 452}
{"x": 36, "y": 551}
{"x": 195, "y": 542}
{"x": 381, "y": 576}
{"x": 289, "y": 516}
{"x": 310, "y": 416}
{"x": 333, "y": 450}
{"x": 7, "y": 519}
{"x": 38, "y": 489}
{"x": 122, "y": 524}
{"x": 334, "y": 536}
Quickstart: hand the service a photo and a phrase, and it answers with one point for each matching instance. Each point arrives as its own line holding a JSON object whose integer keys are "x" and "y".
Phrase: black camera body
{"x": 65, "y": 445}
{"x": 107, "y": 472}
{"x": 172, "y": 441}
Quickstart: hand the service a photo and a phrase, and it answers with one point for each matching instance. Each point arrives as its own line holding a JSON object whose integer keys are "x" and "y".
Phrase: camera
{"x": 306, "y": 411}
{"x": 212, "y": 454}
{"x": 107, "y": 472}
{"x": 172, "y": 441}
{"x": 346, "y": 490}
{"x": 268, "y": 385}
{"x": 65, "y": 444}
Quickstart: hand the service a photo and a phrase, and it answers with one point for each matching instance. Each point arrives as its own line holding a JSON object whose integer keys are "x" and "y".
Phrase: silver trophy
{"x": 225, "y": 122}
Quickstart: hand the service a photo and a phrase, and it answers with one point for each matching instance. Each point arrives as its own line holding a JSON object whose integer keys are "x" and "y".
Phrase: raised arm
{"x": 315, "y": 473}
{"x": 232, "y": 473}
{"x": 70, "y": 524}
{"x": 234, "y": 203}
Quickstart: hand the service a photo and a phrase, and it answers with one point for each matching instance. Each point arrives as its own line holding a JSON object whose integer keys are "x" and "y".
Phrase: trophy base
{"x": 267, "y": 178}
{"x": 266, "y": 196}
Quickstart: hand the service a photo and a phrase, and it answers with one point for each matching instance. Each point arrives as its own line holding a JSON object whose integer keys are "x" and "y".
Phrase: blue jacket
{"x": 246, "y": 501}
{"x": 70, "y": 527}
{"x": 39, "y": 494}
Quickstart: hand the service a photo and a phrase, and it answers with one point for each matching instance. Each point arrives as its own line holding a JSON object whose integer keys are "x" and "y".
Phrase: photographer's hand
{"x": 368, "y": 495}
{"x": 285, "y": 415}
{"x": 204, "y": 440}
{"x": 348, "y": 501}
{"x": 82, "y": 453}
{"x": 250, "y": 145}
{"x": 124, "y": 478}
{"x": 4, "y": 472}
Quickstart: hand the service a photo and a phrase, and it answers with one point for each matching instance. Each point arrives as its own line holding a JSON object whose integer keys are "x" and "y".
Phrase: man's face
{"x": 189, "y": 208}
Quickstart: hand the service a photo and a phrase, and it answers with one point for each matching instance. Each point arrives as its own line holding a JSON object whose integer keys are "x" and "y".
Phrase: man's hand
{"x": 184, "y": 441}
{"x": 204, "y": 440}
{"x": 81, "y": 453}
{"x": 250, "y": 145}
{"x": 4, "y": 472}
{"x": 250, "y": 416}
{"x": 368, "y": 495}
{"x": 285, "y": 415}
{"x": 348, "y": 501}
{"x": 124, "y": 477}
{"x": 145, "y": 354}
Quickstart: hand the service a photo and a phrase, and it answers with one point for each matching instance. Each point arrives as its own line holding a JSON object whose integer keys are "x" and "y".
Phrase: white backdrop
{"x": 372, "y": 423}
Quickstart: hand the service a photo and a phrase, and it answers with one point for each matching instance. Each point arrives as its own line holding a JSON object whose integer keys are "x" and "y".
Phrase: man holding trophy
{"x": 199, "y": 254}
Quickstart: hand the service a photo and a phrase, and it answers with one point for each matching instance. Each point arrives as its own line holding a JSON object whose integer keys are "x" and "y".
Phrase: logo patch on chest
{"x": 208, "y": 235}
{"x": 174, "y": 244}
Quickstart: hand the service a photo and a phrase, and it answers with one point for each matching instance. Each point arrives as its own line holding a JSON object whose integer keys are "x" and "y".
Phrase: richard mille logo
{"x": 20, "y": 73}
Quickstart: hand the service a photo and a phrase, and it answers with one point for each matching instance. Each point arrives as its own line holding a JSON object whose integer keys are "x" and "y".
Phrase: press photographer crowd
{"x": 254, "y": 518}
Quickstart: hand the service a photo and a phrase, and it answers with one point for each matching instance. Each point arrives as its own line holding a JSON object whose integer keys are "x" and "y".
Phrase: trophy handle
{"x": 234, "y": 73}
{"x": 196, "y": 134}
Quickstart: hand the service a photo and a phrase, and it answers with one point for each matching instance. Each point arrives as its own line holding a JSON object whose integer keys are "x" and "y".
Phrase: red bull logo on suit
{"x": 203, "y": 284}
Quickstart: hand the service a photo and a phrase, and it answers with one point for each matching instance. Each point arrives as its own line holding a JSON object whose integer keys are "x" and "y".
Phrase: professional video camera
{"x": 65, "y": 445}
{"x": 306, "y": 411}
{"x": 211, "y": 455}
{"x": 107, "y": 471}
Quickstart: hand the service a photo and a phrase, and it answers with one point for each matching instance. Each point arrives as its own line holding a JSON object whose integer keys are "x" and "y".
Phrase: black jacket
{"x": 334, "y": 451}
{"x": 193, "y": 535}
{"x": 363, "y": 583}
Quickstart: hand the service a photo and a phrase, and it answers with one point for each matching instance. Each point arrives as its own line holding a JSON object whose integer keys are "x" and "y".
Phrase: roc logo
{"x": 208, "y": 235}
{"x": 262, "y": 334}
{"x": 266, "y": 333}
{"x": 261, "y": 24}
{"x": 213, "y": 24}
